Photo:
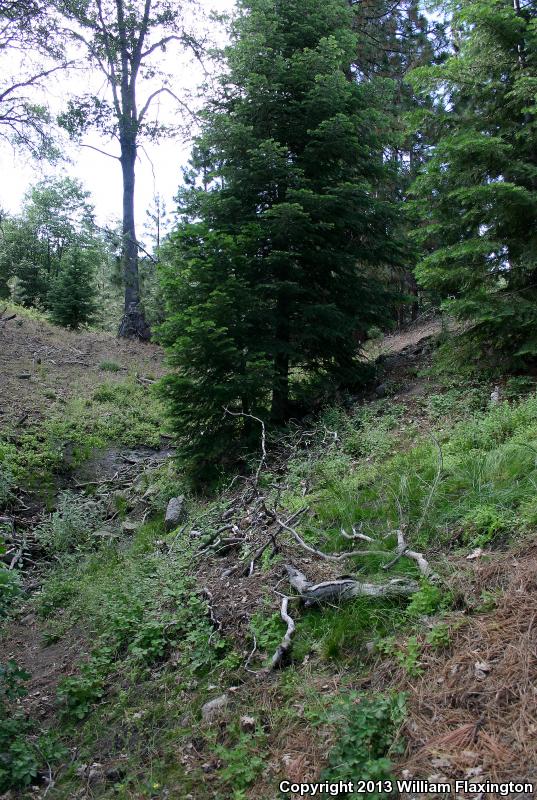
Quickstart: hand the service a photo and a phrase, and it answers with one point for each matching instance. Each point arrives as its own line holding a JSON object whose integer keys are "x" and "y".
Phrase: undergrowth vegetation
{"x": 454, "y": 475}
{"x": 475, "y": 481}
{"x": 123, "y": 413}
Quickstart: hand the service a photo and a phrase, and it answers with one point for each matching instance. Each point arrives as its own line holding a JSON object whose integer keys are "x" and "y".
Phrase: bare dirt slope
{"x": 41, "y": 364}
{"x": 411, "y": 335}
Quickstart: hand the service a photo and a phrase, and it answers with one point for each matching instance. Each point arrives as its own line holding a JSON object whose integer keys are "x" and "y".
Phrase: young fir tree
{"x": 270, "y": 278}
{"x": 477, "y": 197}
{"x": 71, "y": 297}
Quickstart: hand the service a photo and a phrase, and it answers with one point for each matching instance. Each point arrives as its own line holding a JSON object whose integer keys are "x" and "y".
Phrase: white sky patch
{"x": 159, "y": 164}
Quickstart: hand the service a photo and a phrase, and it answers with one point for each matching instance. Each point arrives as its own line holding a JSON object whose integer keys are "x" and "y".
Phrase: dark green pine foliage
{"x": 71, "y": 297}
{"x": 477, "y": 198}
{"x": 271, "y": 278}
{"x": 393, "y": 40}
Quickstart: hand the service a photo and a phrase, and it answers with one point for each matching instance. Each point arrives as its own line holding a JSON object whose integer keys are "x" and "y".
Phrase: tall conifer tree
{"x": 71, "y": 297}
{"x": 270, "y": 277}
{"x": 477, "y": 198}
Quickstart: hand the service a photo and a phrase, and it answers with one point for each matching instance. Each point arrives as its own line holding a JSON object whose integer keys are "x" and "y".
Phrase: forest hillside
{"x": 359, "y": 606}
{"x": 268, "y": 399}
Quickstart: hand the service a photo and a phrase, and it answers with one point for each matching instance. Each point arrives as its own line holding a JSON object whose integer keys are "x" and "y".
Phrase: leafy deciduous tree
{"x": 56, "y": 219}
{"x": 122, "y": 39}
{"x": 29, "y": 55}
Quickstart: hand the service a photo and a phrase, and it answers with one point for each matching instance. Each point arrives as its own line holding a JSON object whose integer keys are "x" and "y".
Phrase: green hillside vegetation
{"x": 454, "y": 477}
{"x": 268, "y": 462}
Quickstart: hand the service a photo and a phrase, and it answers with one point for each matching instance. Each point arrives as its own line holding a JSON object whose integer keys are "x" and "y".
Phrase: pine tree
{"x": 477, "y": 197}
{"x": 393, "y": 40}
{"x": 270, "y": 278}
{"x": 71, "y": 297}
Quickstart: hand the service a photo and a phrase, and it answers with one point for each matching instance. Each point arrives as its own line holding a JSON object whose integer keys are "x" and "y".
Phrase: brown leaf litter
{"x": 473, "y": 712}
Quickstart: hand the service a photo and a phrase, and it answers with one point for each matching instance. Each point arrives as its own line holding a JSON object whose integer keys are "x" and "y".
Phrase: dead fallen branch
{"x": 250, "y": 656}
{"x": 346, "y": 588}
{"x": 217, "y": 623}
{"x": 284, "y": 647}
{"x": 328, "y": 556}
{"x": 355, "y": 535}
{"x": 271, "y": 540}
{"x": 404, "y": 550}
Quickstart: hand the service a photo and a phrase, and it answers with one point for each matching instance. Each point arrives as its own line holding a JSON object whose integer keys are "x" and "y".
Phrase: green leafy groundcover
{"x": 366, "y": 730}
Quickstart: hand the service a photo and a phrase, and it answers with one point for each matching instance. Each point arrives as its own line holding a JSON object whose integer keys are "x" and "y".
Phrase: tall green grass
{"x": 474, "y": 483}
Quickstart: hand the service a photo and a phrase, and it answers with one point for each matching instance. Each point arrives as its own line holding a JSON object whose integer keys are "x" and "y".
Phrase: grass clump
{"x": 119, "y": 414}
{"x": 339, "y": 633}
{"x": 137, "y": 606}
{"x": 473, "y": 484}
{"x": 110, "y": 366}
{"x": 72, "y": 526}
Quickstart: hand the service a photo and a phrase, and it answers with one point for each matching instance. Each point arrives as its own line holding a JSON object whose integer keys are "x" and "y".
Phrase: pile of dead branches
{"x": 257, "y": 507}
{"x": 21, "y": 546}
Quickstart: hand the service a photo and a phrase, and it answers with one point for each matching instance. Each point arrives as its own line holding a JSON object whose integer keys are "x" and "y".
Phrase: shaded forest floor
{"x": 128, "y": 630}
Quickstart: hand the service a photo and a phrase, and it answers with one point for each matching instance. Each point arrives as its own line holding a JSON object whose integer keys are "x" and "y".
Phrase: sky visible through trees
{"x": 159, "y": 166}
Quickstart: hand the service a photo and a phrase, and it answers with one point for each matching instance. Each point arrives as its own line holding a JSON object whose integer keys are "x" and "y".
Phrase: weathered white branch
{"x": 419, "y": 558}
{"x": 346, "y": 588}
{"x": 355, "y": 535}
{"x": 328, "y": 556}
{"x": 285, "y": 645}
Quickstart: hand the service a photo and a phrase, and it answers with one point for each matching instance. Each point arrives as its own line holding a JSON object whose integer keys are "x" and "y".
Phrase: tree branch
{"x": 346, "y": 588}
{"x": 32, "y": 81}
{"x": 285, "y": 645}
{"x": 102, "y": 152}
{"x": 329, "y": 556}
{"x": 160, "y": 43}
{"x": 164, "y": 90}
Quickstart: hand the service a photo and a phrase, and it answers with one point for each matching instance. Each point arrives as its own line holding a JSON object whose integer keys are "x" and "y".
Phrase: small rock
{"x": 247, "y": 723}
{"x": 214, "y": 708}
{"x": 477, "y": 553}
{"x": 381, "y": 390}
{"x": 175, "y": 513}
{"x": 481, "y": 669}
{"x": 129, "y": 526}
{"x": 24, "y": 376}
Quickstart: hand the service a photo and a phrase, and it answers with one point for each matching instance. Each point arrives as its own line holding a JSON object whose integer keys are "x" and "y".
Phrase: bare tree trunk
{"x": 133, "y": 324}
{"x": 280, "y": 383}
